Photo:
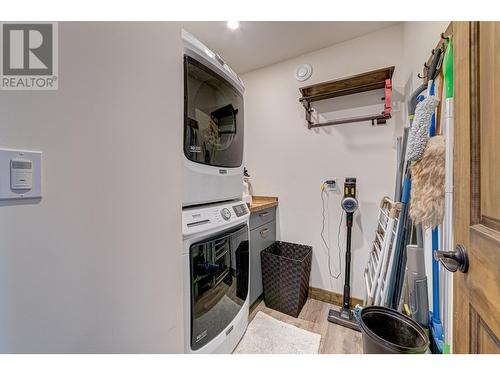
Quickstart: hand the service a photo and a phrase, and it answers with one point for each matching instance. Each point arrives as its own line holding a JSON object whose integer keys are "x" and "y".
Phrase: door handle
{"x": 264, "y": 214}
{"x": 264, "y": 232}
{"x": 453, "y": 260}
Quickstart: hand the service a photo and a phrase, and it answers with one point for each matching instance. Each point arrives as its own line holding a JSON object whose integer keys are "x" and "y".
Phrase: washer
{"x": 216, "y": 283}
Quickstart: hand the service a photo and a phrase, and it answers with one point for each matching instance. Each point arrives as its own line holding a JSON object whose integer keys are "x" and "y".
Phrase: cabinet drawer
{"x": 262, "y": 217}
{"x": 260, "y": 238}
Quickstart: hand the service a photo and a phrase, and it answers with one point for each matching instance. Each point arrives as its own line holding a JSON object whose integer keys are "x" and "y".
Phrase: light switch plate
{"x": 10, "y": 189}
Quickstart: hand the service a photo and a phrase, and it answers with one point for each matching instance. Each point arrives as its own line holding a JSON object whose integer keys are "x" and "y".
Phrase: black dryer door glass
{"x": 213, "y": 117}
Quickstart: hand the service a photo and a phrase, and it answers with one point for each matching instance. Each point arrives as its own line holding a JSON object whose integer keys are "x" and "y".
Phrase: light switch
{"x": 21, "y": 174}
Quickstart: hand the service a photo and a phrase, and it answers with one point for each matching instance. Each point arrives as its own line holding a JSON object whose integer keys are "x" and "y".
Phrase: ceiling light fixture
{"x": 233, "y": 25}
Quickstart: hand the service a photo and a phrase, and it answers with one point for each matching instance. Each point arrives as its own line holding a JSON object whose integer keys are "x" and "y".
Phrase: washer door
{"x": 219, "y": 283}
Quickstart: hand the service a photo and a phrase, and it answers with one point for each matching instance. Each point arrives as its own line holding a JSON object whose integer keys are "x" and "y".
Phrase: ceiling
{"x": 257, "y": 44}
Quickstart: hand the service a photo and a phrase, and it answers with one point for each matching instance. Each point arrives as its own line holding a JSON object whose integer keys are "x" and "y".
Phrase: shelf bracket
{"x": 309, "y": 111}
{"x": 388, "y": 97}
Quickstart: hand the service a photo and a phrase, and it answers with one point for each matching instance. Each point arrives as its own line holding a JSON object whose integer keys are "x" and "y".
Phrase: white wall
{"x": 286, "y": 159}
{"x": 95, "y": 266}
{"x": 290, "y": 161}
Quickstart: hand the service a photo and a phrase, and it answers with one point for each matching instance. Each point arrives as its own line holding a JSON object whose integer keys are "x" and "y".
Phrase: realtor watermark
{"x": 28, "y": 56}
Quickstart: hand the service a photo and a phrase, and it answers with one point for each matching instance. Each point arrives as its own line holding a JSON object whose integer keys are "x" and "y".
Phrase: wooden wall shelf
{"x": 373, "y": 80}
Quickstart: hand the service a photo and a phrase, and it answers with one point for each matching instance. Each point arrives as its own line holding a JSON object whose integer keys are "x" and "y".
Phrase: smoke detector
{"x": 303, "y": 72}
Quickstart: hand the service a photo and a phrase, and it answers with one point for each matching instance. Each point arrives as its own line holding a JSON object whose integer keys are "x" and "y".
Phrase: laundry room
{"x": 322, "y": 132}
{"x": 223, "y": 185}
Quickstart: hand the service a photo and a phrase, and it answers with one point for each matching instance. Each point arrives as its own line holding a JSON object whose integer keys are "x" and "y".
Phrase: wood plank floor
{"x": 335, "y": 339}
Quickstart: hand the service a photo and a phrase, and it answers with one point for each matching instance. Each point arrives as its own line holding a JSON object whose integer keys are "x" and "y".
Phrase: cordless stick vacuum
{"x": 349, "y": 204}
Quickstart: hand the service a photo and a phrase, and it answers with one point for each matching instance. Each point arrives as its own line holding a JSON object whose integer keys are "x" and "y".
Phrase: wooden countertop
{"x": 261, "y": 203}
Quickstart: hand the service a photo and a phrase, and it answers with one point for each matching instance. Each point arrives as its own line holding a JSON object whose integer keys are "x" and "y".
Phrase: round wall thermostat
{"x": 303, "y": 72}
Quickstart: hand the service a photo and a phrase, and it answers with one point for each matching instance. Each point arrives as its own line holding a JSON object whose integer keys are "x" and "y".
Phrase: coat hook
{"x": 426, "y": 66}
{"x": 421, "y": 77}
{"x": 444, "y": 37}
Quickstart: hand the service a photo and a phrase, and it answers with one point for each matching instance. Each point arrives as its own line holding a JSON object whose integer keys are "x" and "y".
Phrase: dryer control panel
{"x": 200, "y": 219}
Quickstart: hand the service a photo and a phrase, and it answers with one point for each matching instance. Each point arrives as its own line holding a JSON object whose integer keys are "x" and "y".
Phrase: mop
{"x": 428, "y": 200}
{"x": 448, "y": 216}
{"x": 417, "y": 142}
{"x": 418, "y": 137}
{"x": 400, "y": 147}
{"x": 399, "y": 256}
{"x": 415, "y": 98}
{"x": 428, "y": 175}
{"x": 403, "y": 141}
{"x": 436, "y": 325}
{"x": 418, "y": 298}
{"x": 402, "y": 257}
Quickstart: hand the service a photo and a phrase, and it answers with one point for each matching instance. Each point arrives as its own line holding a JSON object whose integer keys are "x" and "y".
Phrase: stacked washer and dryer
{"x": 214, "y": 217}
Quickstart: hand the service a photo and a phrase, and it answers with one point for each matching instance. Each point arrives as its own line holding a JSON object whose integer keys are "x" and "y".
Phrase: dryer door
{"x": 219, "y": 283}
{"x": 213, "y": 117}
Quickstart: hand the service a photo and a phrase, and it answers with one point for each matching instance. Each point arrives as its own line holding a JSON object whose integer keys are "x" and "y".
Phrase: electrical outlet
{"x": 331, "y": 184}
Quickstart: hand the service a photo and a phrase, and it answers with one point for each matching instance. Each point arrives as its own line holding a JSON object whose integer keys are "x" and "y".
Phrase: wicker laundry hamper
{"x": 286, "y": 268}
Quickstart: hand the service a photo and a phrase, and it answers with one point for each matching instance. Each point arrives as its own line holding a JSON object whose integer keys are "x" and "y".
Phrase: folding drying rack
{"x": 377, "y": 270}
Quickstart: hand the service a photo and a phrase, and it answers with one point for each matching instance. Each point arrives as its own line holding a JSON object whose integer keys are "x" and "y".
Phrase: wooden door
{"x": 476, "y": 203}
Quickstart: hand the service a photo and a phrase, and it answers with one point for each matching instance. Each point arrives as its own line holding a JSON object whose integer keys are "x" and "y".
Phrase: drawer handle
{"x": 264, "y": 232}
{"x": 264, "y": 214}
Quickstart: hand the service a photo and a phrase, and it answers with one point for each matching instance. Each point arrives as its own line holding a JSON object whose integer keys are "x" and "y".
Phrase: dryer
{"x": 213, "y": 127}
{"x": 216, "y": 282}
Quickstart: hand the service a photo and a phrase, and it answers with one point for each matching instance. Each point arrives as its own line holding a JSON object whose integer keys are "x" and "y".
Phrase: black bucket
{"x": 387, "y": 331}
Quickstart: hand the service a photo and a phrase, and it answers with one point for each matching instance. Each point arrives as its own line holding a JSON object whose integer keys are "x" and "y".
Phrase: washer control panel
{"x": 240, "y": 209}
{"x": 199, "y": 219}
{"x": 225, "y": 213}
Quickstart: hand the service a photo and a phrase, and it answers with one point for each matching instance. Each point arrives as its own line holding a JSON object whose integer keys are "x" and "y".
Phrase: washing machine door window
{"x": 219, "y": 283}
{"x": 213, "y": 117}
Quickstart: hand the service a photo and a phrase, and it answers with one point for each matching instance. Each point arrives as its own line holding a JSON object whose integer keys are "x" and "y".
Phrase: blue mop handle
{"x": 435, "y": 277}
{"x": 432, "y": 128}
{"x": 405, "y": 198}
{"x": 435, "y": 243}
